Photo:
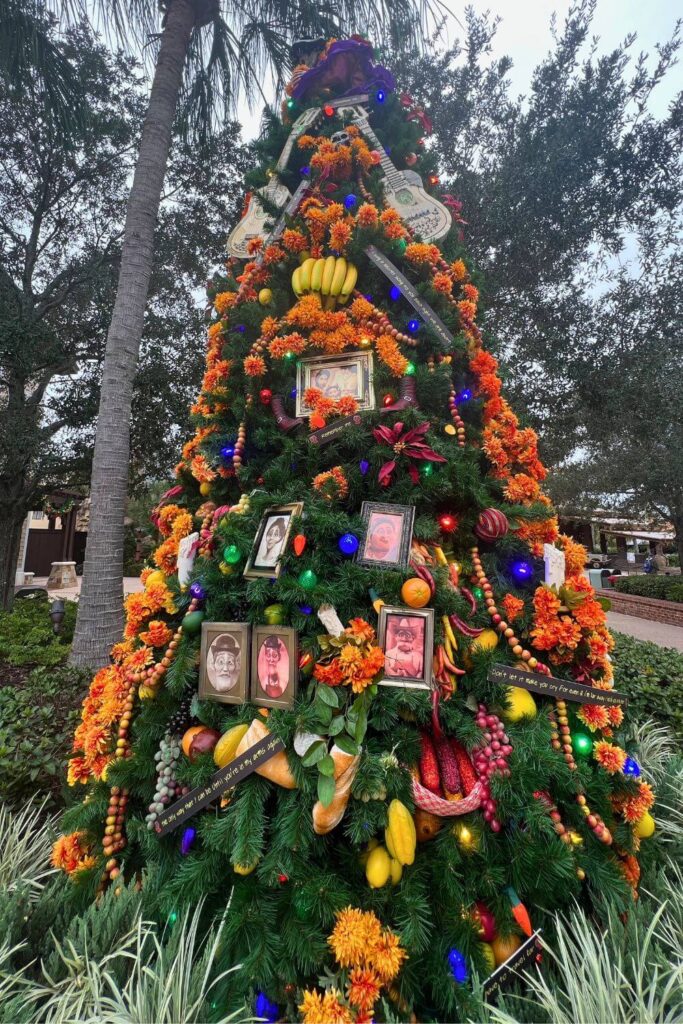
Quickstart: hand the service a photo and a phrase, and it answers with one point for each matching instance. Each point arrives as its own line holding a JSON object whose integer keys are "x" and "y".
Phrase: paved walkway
{"x": 659, "y": 633}
{"x": 131, "y": 584}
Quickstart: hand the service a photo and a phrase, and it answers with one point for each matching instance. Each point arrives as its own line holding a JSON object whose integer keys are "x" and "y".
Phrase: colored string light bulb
{"x": 350, "y": 201}
{"x": 197, "y": 591}
{"x": 464, "y": 395}
{"x": 447, "y": 522}
{"x": 348, "y": 544}
{"x": 328, "y": 110}
{"x": 228, "y": 451}
{"x": 394, "y": 293}
{"x": 380, "y": 95}
{"x": 410, "y": 370}
{"x": 631, "y": 767}
{"x": 413, "y": 325}
{"x": 582, "y": 743}
{"x": 231, "y": 554}
{"x": 458, "y": 966}
{"x": 522, "y": 570}
{"x": 308, "y": 579}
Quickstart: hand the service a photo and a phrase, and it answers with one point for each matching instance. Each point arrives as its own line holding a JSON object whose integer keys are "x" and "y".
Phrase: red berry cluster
{"x": 491, "y": 757}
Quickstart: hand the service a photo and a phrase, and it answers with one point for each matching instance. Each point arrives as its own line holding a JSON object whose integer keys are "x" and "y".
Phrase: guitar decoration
{"x": 405, "y": 192}
{"x": 256, "y": 221}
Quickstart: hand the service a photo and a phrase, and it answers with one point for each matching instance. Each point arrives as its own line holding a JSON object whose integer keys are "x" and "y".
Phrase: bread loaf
{"x": 275, "y": 768}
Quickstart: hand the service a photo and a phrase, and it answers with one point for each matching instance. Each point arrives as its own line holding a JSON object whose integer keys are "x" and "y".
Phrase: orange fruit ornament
{"x": 504, "y": 947}
{"x": 415, "y": 592}
{"x": 189, "y": 736}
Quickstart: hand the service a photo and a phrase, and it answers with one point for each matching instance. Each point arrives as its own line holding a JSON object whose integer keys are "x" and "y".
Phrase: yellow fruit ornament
{"x": 396, "y": 871}
{"x": 331, "y": 276}
{"x": 487, "y": 953}
{"x": 502, "y": 948}
{"x": 400, "y": 835}
{"x": 244, "y": 869}
{"x": 155, "y": 578}
{"x": 486, "y": 641}
{"x": 520, "y": 704}
{"x": 378, "y": 868}
{"x": 226, "y": 748}
{"x": 645, "y": 826}
{"x": 265, "y": 296}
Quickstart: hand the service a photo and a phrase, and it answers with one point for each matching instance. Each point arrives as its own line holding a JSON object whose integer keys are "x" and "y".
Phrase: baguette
{"x": 276, "y": 768}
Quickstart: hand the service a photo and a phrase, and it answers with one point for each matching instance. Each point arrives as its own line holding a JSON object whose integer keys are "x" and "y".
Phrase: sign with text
{"x": 332, "y": 430}
{"x": 521, "y": 958}
{"x": 548, "y": 686}
{"x": 391, "y": 271}
{"x": 555, "y": 571}
{"x": 194, "y": 801}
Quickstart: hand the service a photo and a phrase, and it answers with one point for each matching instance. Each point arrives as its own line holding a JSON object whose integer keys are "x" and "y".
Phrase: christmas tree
{"x": 361, "y": 611}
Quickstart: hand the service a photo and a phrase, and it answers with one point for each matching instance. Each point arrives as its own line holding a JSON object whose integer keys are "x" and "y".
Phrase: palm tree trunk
{"x": 100, "y": 613}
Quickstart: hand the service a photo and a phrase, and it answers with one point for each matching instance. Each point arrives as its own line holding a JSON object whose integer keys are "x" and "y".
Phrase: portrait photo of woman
{"x": 271, "y": 539}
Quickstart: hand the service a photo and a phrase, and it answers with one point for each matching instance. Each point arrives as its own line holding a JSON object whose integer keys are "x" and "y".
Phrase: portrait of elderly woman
{"x": 224, "y": 662}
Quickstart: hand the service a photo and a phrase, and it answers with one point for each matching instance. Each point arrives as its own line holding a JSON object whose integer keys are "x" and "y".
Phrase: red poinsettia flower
{"x": 410, "y": 444}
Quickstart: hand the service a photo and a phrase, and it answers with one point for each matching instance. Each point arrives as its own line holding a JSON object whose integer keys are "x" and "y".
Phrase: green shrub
{"x": 663, "y": 588}
{"x": 652, "y": 679}
{"x": 38, "y": 714}
{"x": 27, "y": 637}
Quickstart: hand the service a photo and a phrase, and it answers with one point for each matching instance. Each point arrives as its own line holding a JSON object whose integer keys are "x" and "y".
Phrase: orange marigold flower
{"x": 422, "y": 252}
{"x": 616, "y": 716}
{"x": 273, "y": 254}
{"x": 443, "y": 283}
{"x": 459, "y": 270}
{"x": 254, "y": 366}
{"x": 166, "y": 556}
{"x": 183, "y": 525}
{"x": 293, "y": 240}
{"x": 307, "y": 141}
{"x": 363, "y": 988}
{"x": 514, "y": 606}
{"x": 340, "y": 235}
{"x": 269, "y": 326}
{"x": 254, "y": 245}
{"x": 368, "y": 215}
{"x": 326, "y": 1009}
{"x": 609, "y": 757}
{"x": 521, "y": 488}
{"x": 483, "y": 362}
{"x": 361, "y": 629}
{"x": 78, "y": 771}
{"x": 594, "y": 716}
{"x": 330, "y": 675}
{"x": 470, "y": 292}
{"x": 201, "y": 470}
{"x": 467, "y": 310}
{"x": 224, "y": 301}
{"x": 157, "y": 635}
{"x": 347, "y": 405}
{"x": 361, "y": 309}
{"x": 387, "y": 956}
{"x": 395, "y": 231}
{"x": 630, "y": 868}
{"x": 574, "y": 555}
{"x": 389, "y": 216}
{"x": 391, "y": 355}
{"x": 332, "y": 484}
{"x": 355, "y": 934}
{"x": 293, "y": 343}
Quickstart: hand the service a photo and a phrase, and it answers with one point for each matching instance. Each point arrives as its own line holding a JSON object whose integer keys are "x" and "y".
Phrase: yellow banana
{"x": 306, "y": 272}
{"x": 342, "y": 299}
{"x": 440, "y": 557}
{"x": 350, "y": 279}
{"x": 339, "y": 276}
{"x": 328, "y": 274}
{"x": 296, "y": 282}
{"x": 317, "y": 275}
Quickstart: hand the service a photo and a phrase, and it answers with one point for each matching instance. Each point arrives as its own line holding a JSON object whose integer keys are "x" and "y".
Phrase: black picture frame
{"x": 374, "y": 514}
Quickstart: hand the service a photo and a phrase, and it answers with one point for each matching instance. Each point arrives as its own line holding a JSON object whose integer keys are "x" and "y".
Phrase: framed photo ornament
{"x": 270, "y": 543}
{"x": 388, "y": 535}
{"x": 224, "y": 662}
{"x": 274, "y": 666}
{"x": 348, "y": 375}
{"x": 406, "y": 635}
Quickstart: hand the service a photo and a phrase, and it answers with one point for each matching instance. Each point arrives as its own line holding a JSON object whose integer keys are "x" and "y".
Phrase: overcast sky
{"x": 524, "y": 34}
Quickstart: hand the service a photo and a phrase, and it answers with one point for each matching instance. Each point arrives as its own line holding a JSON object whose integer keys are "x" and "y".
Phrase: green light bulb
{"x": 308, "y": 579}
{"x": 478, "y": 593}
{"x": 427, "y": 469}
{"x": 232, "y": 554}
{"x": 410, "y": 370}
{"x": 582, "y": 743}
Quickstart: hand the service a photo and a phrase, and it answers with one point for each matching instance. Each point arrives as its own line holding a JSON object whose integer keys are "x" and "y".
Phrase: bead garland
{"x": 457, "y": 419}
{"x": 239, "y": 446}
{"x": 114, "y": 840}
{"x": 498, "y": 621}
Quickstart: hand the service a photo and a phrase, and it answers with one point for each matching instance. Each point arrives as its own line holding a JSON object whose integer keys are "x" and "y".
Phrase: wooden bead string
{"x": 499, "y": 623}
{"x": 566, "y": 835}
{"x": 239, "y": 446}
{"x": 457, "y": 419}
{"x": 593, "y": 820}
{"x": 114, "y": 839}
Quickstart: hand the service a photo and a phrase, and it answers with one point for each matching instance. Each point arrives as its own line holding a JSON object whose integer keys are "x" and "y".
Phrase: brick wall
{"x": 645, "y": 607}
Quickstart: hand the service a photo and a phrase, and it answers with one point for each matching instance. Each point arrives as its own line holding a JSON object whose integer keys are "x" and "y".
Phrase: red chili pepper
{"x": 470, "y": 598}
{"x": 463, "y": 628}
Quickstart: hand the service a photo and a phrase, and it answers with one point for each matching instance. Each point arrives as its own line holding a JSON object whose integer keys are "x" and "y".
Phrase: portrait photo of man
{"x": 383, "y": 538}
{"x": 404, "y": 654}
{"x": 224, "y": 662}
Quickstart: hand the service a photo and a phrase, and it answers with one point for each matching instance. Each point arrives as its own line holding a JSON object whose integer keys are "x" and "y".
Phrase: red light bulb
{"x": 388, "y": 400}
{"x": 265, "y": 394}
{"x": 328, "y": 110}
{"x": 447, "y": 523}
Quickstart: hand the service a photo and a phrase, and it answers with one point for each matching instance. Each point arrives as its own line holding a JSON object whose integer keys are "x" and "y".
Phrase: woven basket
{"x": 428, "y": 801}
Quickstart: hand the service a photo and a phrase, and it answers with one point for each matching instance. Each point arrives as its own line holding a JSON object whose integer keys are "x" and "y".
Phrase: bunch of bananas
{"x": 333, "y": 277}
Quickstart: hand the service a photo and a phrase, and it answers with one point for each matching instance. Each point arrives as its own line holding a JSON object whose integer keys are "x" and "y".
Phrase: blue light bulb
{"x": 631, "y": 767}
{"x": 305, "y": 609}
{"x": 228, "y": 451}
{"x": 522, "y": 571}
{"x": 240, "y": 328}
{"x": 458, "y": 966}
{"x": 394, "y": 293}
{"x": 380, "y": 95}
{"x": 350, "y": 201}
{"x": 464, "y": 395}
{"x": 348, "y": 544}
{"x": 413, "y": 325}
{"x": 305, "y": 172}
